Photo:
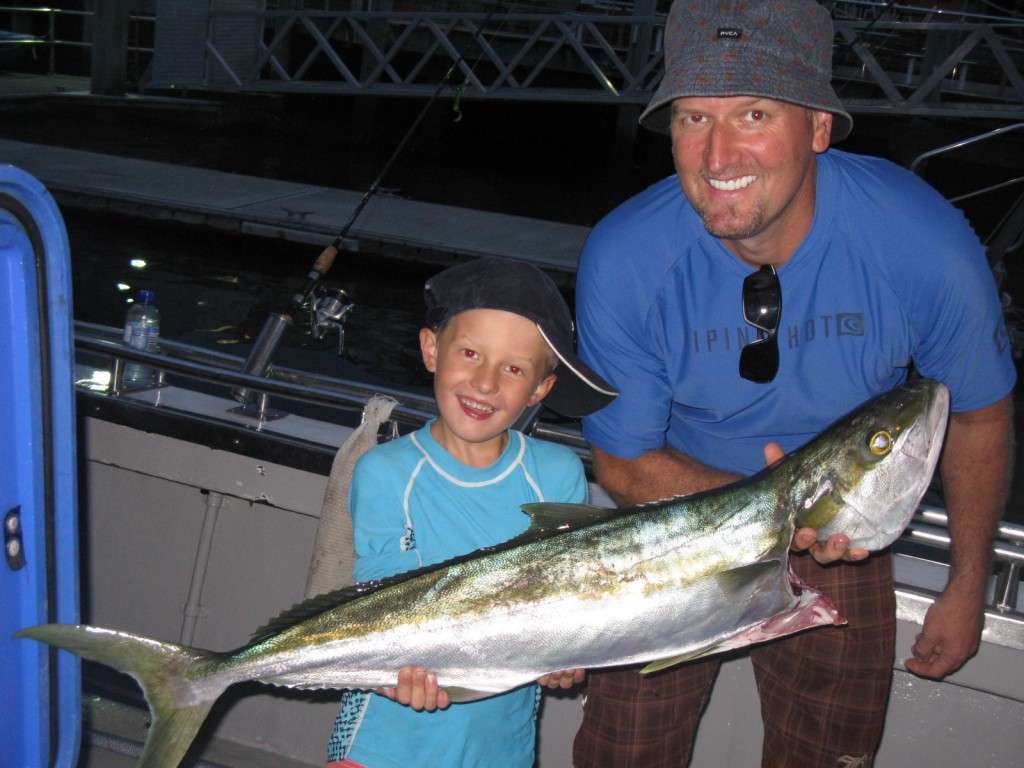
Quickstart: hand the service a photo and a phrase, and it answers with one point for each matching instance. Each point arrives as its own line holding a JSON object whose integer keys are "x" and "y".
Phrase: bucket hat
{"x": 515, "y": 286}
{"x": 778, "y": 49}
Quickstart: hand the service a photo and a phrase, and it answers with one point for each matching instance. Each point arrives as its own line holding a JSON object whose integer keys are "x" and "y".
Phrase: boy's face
{"x": 488, "y": 366}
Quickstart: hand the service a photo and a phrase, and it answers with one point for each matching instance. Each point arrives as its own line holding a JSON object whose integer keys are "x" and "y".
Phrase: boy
{"x": 495, "y": 334}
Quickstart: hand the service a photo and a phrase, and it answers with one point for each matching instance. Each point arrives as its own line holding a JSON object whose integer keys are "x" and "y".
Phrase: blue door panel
{"x": 38, "y": 490}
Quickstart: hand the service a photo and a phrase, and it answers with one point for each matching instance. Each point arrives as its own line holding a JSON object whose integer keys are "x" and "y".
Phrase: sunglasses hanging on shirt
{"x": 762, "y": 308}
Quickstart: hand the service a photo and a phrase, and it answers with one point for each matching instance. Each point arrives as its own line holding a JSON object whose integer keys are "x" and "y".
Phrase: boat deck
{"x": 24, "y": 85}
{"x": 283, "y": 209}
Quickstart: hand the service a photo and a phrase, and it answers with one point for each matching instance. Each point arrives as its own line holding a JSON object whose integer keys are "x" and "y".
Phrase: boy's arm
{"x": 383, "y": 546}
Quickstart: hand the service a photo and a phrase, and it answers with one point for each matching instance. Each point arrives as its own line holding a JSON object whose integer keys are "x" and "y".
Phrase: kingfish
{"x": 659, "y": 583}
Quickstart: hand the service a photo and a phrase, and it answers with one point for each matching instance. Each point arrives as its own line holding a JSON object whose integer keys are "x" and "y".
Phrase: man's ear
{"x": 821, "y": 125}
{"x": 542, "y": 389}
{"x": 428, "y": 347}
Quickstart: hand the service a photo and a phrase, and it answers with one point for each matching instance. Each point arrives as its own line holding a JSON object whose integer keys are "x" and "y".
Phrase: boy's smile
{"x": 489, "y": 366}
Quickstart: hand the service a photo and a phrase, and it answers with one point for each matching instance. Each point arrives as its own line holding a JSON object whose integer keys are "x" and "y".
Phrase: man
{"x": 785, "y": 285}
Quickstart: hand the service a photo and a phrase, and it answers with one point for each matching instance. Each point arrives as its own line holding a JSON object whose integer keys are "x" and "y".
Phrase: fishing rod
{"x": 273, "y": 329}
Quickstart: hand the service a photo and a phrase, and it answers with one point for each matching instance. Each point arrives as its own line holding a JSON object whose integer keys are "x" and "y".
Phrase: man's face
{"x": 746, "y": 164}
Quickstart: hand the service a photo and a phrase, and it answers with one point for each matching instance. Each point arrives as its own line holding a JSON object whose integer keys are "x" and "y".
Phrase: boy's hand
{"x": 417, "y": 689}
{"x": 567, "y": 678}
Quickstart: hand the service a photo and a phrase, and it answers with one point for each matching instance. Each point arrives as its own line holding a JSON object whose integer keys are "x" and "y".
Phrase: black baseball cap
{"x": 519, "y": 287}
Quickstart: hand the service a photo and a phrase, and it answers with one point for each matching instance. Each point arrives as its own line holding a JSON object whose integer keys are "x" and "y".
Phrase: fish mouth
{"x": 923, "y": 441}
{"x": 936, "y": 419}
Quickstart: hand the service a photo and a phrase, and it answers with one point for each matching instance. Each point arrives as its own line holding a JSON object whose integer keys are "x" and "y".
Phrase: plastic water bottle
{"x": 142, "y": 331}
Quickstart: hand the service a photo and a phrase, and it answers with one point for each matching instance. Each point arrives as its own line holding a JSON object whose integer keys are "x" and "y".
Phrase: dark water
{"x": 214, "y": 290}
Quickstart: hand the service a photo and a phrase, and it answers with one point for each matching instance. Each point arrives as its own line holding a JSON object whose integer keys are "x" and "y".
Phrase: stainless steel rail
{"x": 224, "y": 369}
{"x": 964, "y": 143}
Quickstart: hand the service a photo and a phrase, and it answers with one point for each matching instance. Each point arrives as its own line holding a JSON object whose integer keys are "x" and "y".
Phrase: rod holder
{"x": 258, "y": 362}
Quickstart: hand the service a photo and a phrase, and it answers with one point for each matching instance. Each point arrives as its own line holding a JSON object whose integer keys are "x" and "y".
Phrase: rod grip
{"x": 325, "y": 260}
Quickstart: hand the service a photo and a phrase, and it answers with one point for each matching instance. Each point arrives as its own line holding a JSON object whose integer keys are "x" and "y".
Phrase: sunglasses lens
{"x": 762, "y": 299}
{"x": 759, "y": 360}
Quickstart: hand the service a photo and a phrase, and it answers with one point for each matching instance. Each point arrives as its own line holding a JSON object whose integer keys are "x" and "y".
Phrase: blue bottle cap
{"x": 145, "y": 296}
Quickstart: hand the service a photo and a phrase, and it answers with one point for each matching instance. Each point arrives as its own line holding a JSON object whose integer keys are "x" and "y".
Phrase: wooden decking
{"x": 282, "y": 209}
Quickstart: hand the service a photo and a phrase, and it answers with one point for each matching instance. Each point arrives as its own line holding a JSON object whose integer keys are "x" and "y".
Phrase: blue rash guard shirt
{"x": 413, "y": 504}
{"x": 889, "y": 274}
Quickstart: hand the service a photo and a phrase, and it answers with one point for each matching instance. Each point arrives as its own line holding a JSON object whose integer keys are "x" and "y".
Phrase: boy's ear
{"x": 428, "y": 347}
{"x": 542, "y": 389}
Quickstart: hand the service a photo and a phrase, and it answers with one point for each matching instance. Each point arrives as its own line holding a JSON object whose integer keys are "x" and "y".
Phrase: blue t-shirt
{"x": 889, "y": 274}
{"x": 414, "y": 504}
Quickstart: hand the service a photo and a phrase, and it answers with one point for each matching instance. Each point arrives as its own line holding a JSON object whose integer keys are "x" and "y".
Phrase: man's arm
{"x": 654, "y": 475}
{"x": 975, "y": 469}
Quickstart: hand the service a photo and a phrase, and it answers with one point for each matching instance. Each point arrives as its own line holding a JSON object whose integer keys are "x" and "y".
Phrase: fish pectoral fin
{"x": 546, "y": 516}
{"x": 459, "y": 695}
{"x": 739, "y": 579}
{"x": 671, "y": 661}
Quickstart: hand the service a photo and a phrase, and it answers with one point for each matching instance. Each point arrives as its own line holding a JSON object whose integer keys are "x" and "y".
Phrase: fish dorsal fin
{"x": 307, "y": 609}
{"x": 549, "y": 517}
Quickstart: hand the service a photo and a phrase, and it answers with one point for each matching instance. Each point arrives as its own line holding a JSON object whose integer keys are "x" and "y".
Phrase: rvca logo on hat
{"x": 729, "y": 33}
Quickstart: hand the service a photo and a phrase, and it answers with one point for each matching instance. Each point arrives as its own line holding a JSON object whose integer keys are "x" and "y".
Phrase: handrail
{"x": 879, "y": 5}
{"x": 986, "y": 190}
{"x": 936, "y": 516}
{"x": 346, "y": 394}
{"x": 963, "y": 143}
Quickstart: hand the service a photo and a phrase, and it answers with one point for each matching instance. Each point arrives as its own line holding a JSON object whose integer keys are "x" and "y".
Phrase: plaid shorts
{"x": 823, "y": 692}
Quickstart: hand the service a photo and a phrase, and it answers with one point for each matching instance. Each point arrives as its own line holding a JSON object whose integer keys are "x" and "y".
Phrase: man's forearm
{"x": 655, "y": 475}
{"x": 976, "y": 469}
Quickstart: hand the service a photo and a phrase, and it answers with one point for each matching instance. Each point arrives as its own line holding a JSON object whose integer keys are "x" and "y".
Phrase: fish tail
{"x": 161, "y": 669}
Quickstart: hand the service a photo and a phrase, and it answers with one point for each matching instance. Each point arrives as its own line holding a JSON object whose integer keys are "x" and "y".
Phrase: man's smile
{"x": 731, "y": 185}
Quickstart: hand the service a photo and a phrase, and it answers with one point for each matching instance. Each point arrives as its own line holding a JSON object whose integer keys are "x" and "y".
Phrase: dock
{"x": 297, "y": 212}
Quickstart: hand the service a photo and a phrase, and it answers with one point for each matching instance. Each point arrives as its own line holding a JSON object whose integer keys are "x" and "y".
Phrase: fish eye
{"x": 880, "y": 443}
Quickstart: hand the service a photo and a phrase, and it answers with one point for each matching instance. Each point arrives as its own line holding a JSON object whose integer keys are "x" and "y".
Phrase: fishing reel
{"x": 327, "y": 312}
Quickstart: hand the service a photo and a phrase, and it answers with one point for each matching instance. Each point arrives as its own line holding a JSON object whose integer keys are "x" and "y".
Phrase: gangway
{"x": 889, "y": 57}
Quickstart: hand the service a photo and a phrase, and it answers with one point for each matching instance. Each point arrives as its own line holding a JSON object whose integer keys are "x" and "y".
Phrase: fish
{"x": 584, "y": 587}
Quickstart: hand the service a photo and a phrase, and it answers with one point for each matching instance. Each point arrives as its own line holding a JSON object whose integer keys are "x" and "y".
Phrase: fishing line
{"x": 269, "y": 339}
{"x": 326, "y": 258}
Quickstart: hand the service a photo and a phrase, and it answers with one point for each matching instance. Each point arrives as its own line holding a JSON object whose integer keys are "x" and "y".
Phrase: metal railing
{"x": 908, "y": 63}
{"x": 222, "y": 369}
{"x": 539, "y": 56}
